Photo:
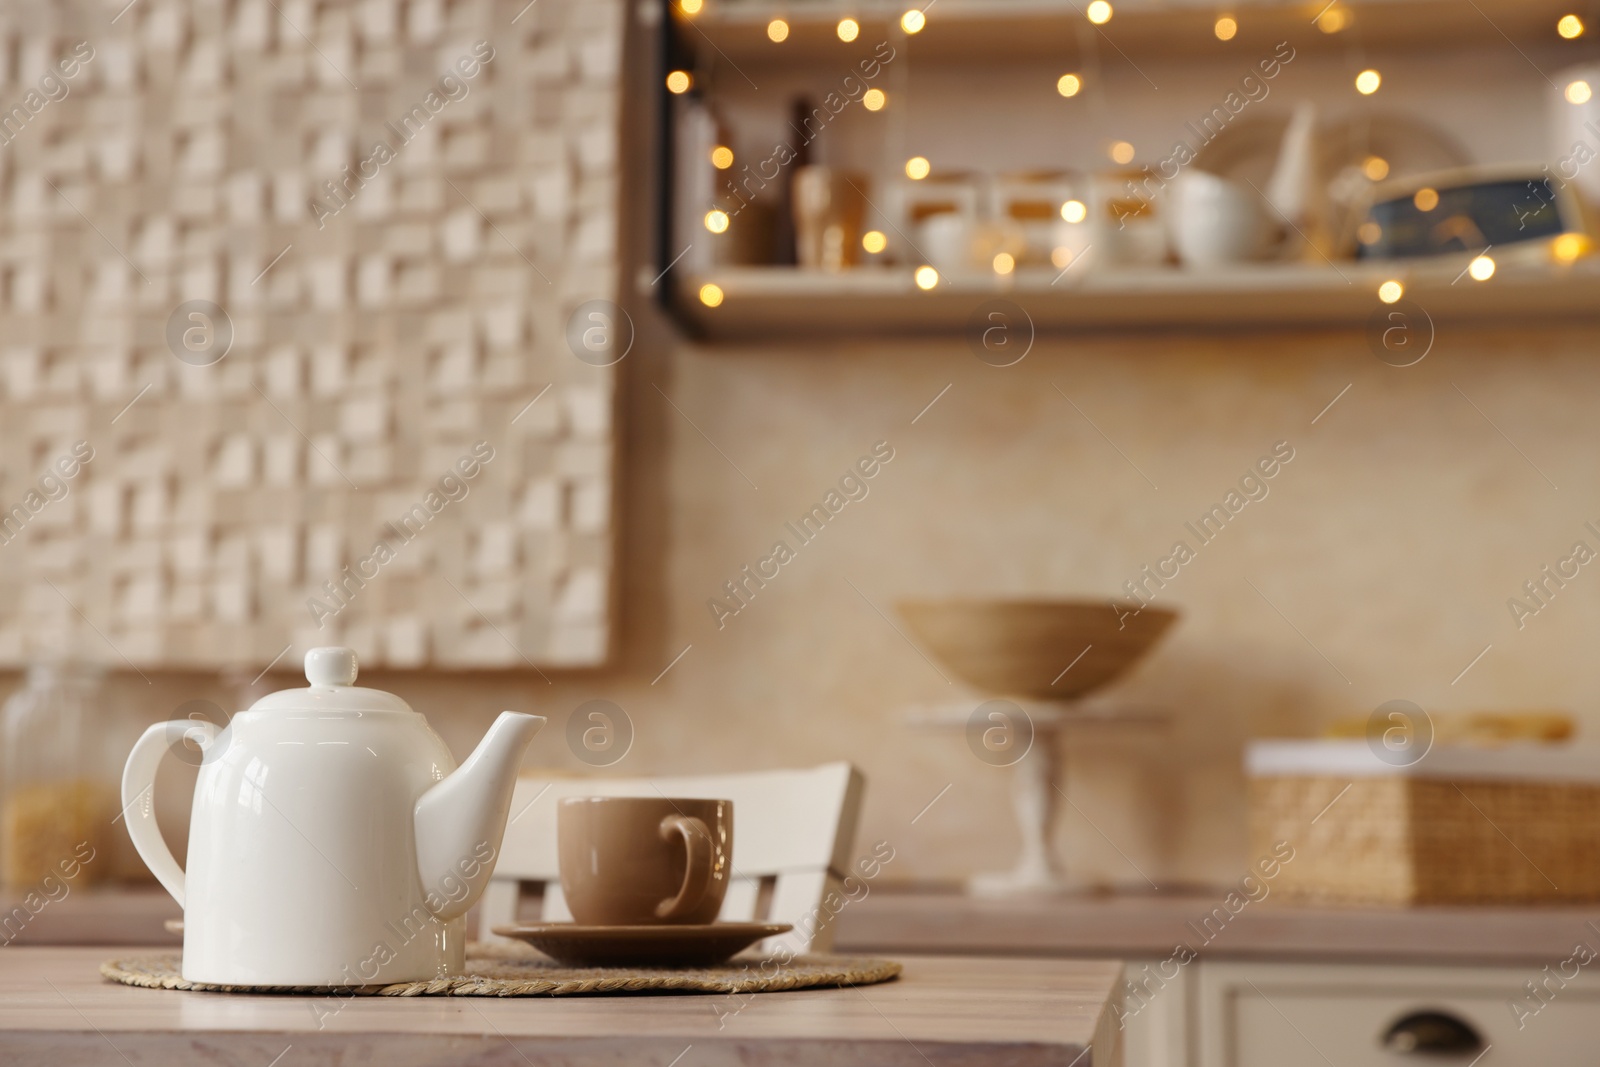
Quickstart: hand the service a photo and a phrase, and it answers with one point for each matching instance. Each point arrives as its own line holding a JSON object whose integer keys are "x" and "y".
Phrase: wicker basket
{"x": 1459, "y": 828}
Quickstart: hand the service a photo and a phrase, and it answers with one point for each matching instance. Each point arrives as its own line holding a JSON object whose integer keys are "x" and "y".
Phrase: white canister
{"x": 1213, "y": 220}
{"x": 1125, "y": 222}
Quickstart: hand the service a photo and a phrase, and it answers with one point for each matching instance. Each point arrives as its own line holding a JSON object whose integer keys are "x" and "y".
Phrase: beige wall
{"x": 1391, "y": 541}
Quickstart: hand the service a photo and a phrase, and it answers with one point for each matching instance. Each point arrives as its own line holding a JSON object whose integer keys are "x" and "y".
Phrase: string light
{"x": 848, "y": 30}
{"x": 690, "y": 7}
{"x": 1099, "y": 12}
{"x": 1122, "y": 152}
{"x": 926, "y": 278}
{"x": 913, "y": 21}
{"x": 1333, "y": 19}
{"x": 874, "y": 99}
{"x": 874, "y": 241}
{"x": 717, "y": 221}
{"x": 1367, "y": 82}
{"x": 1069, "y": 84}
{"x": 679, "y": 81}
{"x": 1569, "y": 247}
{"x": 777, "y": 31}
{"x": 710, "y": 295}
{"x": 722, "y": 157}
{"x": 1225, "y": 28}
{"x": 1391, "y": 291}
{"x": 1004, "y": 263}
{"x": 918, "y": 168}
{"x": 1578, "y": 92}
{"x": 1426, "y": 199}
{"x": 1376, "y": 168}
{"x": 1481, "y": 269}
{"x": 1369, "y": 233}
{"x": 1074, "y": 211}
{"x": 1570, "y": 26}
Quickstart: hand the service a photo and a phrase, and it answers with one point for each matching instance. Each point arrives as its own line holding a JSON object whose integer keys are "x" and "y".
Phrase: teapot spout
{"x": 460, "y": 821}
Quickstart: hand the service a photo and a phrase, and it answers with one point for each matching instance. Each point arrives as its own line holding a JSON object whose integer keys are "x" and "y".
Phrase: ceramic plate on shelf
{"x": 1247, "y": 149}
{"x": 649, "y": 946}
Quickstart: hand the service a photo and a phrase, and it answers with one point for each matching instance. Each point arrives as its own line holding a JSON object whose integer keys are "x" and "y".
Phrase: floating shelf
{"x": 779, "y": 303}
{"x": 979, "y": 30}
{"x": 767, "y": 303}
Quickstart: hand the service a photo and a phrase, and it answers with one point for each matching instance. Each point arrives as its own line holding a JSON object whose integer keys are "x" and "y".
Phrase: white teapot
{"x": 333, "y": 841}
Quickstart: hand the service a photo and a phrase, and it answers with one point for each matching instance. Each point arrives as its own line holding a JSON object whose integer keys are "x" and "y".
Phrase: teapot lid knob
{"x": 331, "y": 666}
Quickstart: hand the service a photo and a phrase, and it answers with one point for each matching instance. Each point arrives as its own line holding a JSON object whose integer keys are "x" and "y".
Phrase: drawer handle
{"x": 1432, "y": 1033}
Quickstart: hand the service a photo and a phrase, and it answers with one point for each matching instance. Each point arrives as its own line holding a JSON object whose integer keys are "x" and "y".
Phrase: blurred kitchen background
{"x": 1423, "y": 491}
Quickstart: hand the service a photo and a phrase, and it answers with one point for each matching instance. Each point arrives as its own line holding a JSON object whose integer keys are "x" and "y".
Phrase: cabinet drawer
{"x": 1278, "y": 1015}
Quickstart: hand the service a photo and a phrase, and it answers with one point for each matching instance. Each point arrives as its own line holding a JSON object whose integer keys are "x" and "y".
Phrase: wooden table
{"x": 56, "y": 1010}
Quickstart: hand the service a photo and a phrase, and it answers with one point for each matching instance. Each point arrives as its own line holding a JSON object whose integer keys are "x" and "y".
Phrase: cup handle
{"x": 138, "y": 796}
{"x": 697, "y": 872}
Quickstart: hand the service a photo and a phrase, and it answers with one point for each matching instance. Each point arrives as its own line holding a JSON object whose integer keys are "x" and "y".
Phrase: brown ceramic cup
{"x": 644, "y": 861}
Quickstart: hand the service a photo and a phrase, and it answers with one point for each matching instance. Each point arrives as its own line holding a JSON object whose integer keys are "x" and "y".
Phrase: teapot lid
{"x": 332, "y": 674}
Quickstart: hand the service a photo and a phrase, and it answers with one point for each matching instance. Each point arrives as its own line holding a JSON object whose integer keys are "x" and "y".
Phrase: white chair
{"x": 793, "y": 832}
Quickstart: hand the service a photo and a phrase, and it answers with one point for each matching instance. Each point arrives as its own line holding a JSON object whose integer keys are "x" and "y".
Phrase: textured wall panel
{"x": 385, "y": 212}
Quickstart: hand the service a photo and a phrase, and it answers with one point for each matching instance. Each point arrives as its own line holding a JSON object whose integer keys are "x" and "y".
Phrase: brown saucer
{"x": 667, "y": 945}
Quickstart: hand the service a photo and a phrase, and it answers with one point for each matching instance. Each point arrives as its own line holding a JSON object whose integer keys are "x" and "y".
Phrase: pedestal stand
{"x": 1038, "y": 787}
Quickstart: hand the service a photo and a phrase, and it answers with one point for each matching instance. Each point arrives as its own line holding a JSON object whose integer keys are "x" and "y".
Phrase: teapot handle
{"x": 138, "y": 795}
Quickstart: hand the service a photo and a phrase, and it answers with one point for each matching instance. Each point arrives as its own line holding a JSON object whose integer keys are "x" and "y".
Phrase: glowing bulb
{"x": 849, "y": 30}
{"x": 913, "y": 21}
{"x": 1225, "y": 28}
{"x": 918, "y": 168}
{"x": 874, "y": 241}
{"x": 777, "y": 31}
{"x": 1391, "y": 291}
{"x": 722, "y": 157}
{"x": 874, "y": 99}
{"x": 1578, "y": 92}
{"x": 678, "y": 81}
{"x": 717, "y": 221}
{"x": 1570, "y": 26}
{"x": 690, "y": 7}
{"x": 926, "y": 277}
{"x": 1376, "y": 168}
{"x": 1122, "y": 152}
{"x": 1074, "y": 211}
{"x": 1369, "y": 233}
{"x": 1569, "y": 247}
{"x": 1426, "y": 199}
{"x": 1367, "y": 82}
{"x": 1099, "y": 12}
{"x": 1333, "y": 20}
{"x": 1069, "y": 84}
{"x": 1061, "y": 255}
{"x": 1481, "y": 269}
{"x": 1004, "y": 263}
{"x": 710, "y": 295}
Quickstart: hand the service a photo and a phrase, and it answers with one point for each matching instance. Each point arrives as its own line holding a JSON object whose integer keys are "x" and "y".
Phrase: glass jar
{"x": 56, "y": 803}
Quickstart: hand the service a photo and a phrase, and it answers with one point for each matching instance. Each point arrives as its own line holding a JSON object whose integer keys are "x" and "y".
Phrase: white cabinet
{"x": 1247, "y": 1014}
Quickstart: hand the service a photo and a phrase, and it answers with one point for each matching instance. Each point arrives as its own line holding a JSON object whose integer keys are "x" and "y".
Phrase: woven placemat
{"x": 493, "y": 971}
